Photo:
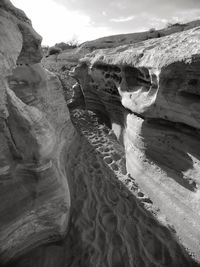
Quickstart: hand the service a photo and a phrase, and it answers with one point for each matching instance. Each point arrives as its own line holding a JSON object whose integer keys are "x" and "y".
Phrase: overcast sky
{"x": 62, "y": 20}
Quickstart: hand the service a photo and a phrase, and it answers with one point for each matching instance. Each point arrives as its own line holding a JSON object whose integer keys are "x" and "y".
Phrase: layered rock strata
{"x": 148, "y": 93}
{"x": 113, "y": 222}
{"x": 96, "y": 196}
{"x": 34, "y": 193}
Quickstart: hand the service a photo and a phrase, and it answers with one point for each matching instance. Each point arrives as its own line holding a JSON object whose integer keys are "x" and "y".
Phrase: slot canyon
{"x": 110, "y": 176}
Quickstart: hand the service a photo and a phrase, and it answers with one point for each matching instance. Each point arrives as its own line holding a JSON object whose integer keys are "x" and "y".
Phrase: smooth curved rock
{"x": 113, "y": 222}
{"x": 149, "y": 92}
{"x": 34, "y": 123}
{"x": 67, "y": 198}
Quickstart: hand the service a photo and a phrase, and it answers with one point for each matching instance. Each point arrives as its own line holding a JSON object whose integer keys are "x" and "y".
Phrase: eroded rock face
{"x": 34, "y": 122}
{"x": 149, "y": 94}
{"x": 118, "y": 216}
{"x": 113, "y": 223}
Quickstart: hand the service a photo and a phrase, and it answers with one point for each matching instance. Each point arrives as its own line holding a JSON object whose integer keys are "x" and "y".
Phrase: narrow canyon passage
{"x": 104, "y": 172}
{"x": 110, "y": 224}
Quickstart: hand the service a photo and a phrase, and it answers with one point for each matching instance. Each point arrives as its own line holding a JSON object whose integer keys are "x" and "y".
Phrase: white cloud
{"x": 178, "y": 17}
{"x": 122, "y": 19}
{"x": 186, "y": 15}
{"x": 56, "y": 24}
{"x": 118, "y": 5}
{"x": 157, "y": 22}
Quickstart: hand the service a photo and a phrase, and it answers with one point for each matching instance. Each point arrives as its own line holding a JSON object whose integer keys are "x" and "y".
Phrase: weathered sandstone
{"x": 34, "y": 193}
{"x": 113, "y": 223}
{"x": 120, "y": 186}
{"x": 148, "y": 93}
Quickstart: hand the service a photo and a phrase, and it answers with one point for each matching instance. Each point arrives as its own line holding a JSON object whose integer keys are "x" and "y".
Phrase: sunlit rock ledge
{"x": 148, "y": 93}
{"x": 34, "y": 122}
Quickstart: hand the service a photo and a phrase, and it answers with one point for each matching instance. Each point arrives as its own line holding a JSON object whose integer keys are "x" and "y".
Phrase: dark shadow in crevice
{"x": 136, "y": 77}
{"x": 166, "y": 145}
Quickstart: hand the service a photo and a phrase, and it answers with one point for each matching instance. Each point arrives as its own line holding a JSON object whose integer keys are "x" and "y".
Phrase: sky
{"x": 63, "y": 20}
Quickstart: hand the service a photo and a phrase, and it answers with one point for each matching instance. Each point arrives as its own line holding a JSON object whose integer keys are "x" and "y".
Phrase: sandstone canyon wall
{"x": 114, "y": 182}
{"x": 34, "y": 122}
{"x": 148, "y": 93}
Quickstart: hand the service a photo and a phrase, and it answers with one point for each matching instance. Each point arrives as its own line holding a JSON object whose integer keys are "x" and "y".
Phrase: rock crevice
{"x": 117, "y": 184}
{"x": 154, "y": 114}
